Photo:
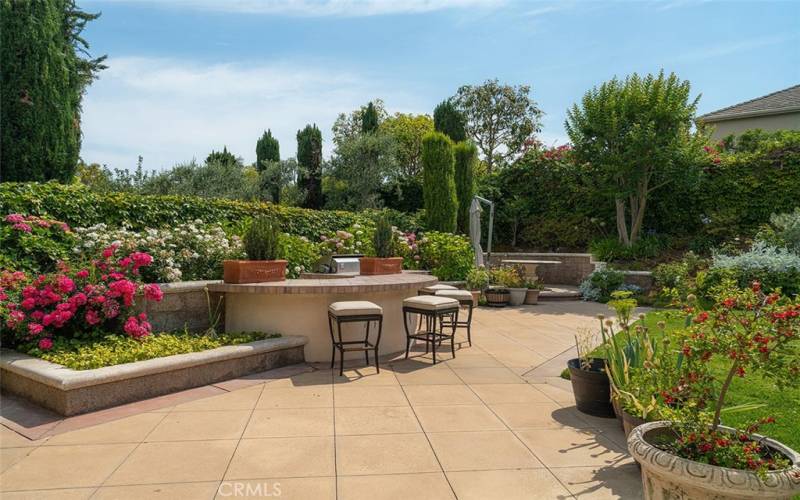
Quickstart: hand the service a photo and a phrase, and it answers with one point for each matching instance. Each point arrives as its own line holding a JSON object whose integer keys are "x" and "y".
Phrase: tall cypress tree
{"x": 309, "y": 160}
{"x": 268, "y": 150}
{"x": 369, "y": 119}
{"x": 448, "y": 120}
{"x": 466, "y": 155}
{"x": 438, "y": 189}
{"x": 42, "y": 83}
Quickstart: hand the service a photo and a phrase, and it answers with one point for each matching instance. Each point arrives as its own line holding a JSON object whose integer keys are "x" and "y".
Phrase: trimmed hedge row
{"x": 78, "y": 206}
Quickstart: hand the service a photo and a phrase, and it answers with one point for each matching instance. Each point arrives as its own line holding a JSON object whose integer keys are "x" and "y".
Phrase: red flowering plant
{"x": 83, "y": 303}
{"x": 33, "y": 244}
{"x": 754, "y": 332}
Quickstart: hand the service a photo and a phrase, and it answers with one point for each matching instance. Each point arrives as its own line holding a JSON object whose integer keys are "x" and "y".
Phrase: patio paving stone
{"x": 376, "y": 420}
{"x": 384, "y": 454}
{"x": 522, "y": 484}
{"x": 484, "y": 450}
{"x": 427, "y": 486}
{"x": 458, "y": 418}
{"x": 290, "y": 422}
{"x": 200, "y": 426}
{"x": 422, "y": 395}
{"x": 282, "y": 457}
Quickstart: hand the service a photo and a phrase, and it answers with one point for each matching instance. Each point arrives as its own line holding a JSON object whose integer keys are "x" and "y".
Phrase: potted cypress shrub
{"x": 691, "y": 455}
{"x": 385, "y": 260}
{"x": 589, "y": 380}
{"x": 261, "y": 246}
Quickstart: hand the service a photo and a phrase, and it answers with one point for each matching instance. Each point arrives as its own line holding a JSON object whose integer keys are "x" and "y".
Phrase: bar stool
{"x": 355, "y": 311}
{"x": 464, "y": 299}
{"x": 433, "y": 308}
{"x": 432, "y": 289}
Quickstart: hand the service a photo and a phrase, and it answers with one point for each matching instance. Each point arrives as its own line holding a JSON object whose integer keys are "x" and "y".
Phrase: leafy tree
{"x": 223, "y": 157}
{"x": 309, "y": 160}
{"x": 439, "y": 188}
{"x": 348, "y": 126}
{"x": 358, "y": 170}
{"x": 448, "y": 120}
{"x": 268, "y": 151}
{"x": 43, "y": 79}
{"x": 403, "y": 194}
{"x": 633, "y": 132}
{"x": 369, "y": 119}
{"x": 276, "y": 176}
{"x": 466, "y": 155}
{"x": 500, "y": 119}
{"x": 407, "y": 130}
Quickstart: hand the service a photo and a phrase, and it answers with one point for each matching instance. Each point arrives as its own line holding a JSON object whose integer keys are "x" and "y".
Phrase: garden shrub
{"x": 302, "y": 255}
{"x": 77, "y": 205}
{"x": 611, "y": 249}
{"x": 783, "y": 231}
{"x": 261, "y": 239}
{"x": 115, "y": 350}
{"x": 466, "y": 155}
{"x": 599, "y": 285}
{"x": 772, "y": 267}
{"x": 69, "y": 303}
{"x": 448, "y": 256}
{"x": 439, "y": 190}
{"x": 185, "y": 252}
{"x": 33, "y": 244}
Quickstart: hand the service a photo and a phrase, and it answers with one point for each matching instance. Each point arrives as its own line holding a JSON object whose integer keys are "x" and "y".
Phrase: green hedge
{"x": 76, "y": 205}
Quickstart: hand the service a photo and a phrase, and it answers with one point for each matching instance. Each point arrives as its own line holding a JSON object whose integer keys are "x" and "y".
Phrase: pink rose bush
{"x": 76, "y": 303}
{"x": 32, "y": 243}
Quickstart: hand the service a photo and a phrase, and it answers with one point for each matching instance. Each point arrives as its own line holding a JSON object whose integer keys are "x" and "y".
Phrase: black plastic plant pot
{"x": 591, "y": 388}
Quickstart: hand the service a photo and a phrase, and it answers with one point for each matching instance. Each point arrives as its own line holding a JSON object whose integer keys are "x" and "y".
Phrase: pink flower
{"x": 92, "y": 317}
{"x": 64, "y": 284}
{"x": 111, "y": 309}
{"x": 21, "y": 226}
{"x": 37, "y": 315}
{"x": 45, "y": 344}
{"x": 35, "y": 328}
{"x": 14, "y": 318}
{"x": 141, "y": 259}
{"x": 82, "y": 274}
{"x": 125, "y": 262}
{"x": 122, "y": 288}
{"x": 153, "y": 292}
{"x": 109, "y": 251}
{"x": 14, "y": 218}
{"x": 78, "y": 299}
{"x": 28, "y": 303}
{"x": 136, "y": 328}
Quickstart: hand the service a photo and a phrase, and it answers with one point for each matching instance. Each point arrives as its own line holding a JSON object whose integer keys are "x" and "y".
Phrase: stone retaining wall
{"x": 185, "y": 305}
{"x": 574, "y": 267}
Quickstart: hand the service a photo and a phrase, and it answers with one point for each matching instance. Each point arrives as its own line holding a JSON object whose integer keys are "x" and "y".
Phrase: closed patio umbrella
{"x": 475, "y": 230}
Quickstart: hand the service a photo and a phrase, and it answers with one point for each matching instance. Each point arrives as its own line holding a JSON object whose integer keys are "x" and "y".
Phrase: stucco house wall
{"x": 785, "y": 121}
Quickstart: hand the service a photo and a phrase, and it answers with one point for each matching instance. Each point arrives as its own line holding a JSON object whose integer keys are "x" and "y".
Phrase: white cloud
{"x": 316, "y": 8}
{"x": 171, "y": 111}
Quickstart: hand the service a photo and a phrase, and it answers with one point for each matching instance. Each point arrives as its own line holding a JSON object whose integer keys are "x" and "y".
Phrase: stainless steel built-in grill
{"x": 344, "y": 264}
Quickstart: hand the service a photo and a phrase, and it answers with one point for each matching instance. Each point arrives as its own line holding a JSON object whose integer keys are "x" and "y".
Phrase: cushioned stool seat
{"x": 465, "y": 299}
{"x": 432, "y": 289}
{"x": 354, "y": 311}
{"x": 354, "y": 308}
{"x": 431, "y": 303}
{"x": 462, "y": 296}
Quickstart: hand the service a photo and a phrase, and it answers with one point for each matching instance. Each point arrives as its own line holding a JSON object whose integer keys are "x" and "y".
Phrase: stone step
{"x": 559, "y": 292}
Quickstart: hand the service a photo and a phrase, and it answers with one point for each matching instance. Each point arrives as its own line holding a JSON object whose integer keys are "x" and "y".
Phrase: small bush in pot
{"x": 691, "y": 453}
{"x": 511, "y": 278}
{"x": 478, "y": 280}
{"x": 532, "y": 295}
{"x": 385, "y": 244}
{"x": 261, "y": 244}
{"x": 588, "y": 377}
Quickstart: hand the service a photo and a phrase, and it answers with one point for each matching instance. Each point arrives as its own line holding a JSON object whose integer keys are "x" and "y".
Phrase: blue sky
{"x": 186, "y": 76}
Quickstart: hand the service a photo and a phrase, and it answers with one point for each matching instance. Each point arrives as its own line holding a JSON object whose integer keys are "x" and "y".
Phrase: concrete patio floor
{"x": 496, "y": 422}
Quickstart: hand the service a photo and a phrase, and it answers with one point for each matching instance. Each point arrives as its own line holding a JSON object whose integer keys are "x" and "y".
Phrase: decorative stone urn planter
{"x": 371, "y": 266}
{"x": 668, "y": 477}
{"x": 532, "y": 297}
{"x": 476, "y": 297}
{"x": 591, "y": 388}
{"x": 253, "y": 271}
{"x": 517, "y": 296}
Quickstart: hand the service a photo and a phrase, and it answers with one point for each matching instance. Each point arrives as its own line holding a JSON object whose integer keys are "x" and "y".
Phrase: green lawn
{"x": 753, "y": 388}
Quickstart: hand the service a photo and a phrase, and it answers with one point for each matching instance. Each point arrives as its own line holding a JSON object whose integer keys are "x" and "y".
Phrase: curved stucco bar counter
{"x": 300, "y": 307}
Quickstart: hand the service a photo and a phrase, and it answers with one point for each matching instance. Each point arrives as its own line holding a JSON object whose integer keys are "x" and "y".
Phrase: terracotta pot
{"x": 591, "y": 388}
{"x": 371, "y": 266}
{"x": 476, "y": 297}
{"x": 253, "y": 271}
{"x": 667, "y": 476}
{"x": 496, "y": 297}
{"x": 532, "y": 297}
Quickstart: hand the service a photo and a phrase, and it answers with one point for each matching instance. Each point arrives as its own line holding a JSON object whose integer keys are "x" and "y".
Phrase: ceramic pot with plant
{"x": 261, "y": 246}
{"x": 511, "y": 279}
{"x": 385, "y": 260}
{"x": 587, "y": 374}
{"x": 478, "y": 280}
{"x": 532, "y": 295}
{"x": 690, "y": 454}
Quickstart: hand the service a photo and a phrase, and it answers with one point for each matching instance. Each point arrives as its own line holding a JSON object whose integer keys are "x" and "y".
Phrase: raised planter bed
{"x": 72, "y": 392}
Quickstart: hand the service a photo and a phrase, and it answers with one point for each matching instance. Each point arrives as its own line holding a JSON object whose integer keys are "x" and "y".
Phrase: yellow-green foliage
{"x": 117, "y": 349}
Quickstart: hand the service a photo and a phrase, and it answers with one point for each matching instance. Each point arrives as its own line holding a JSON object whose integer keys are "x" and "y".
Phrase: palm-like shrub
{"x": 261, "y": 239}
